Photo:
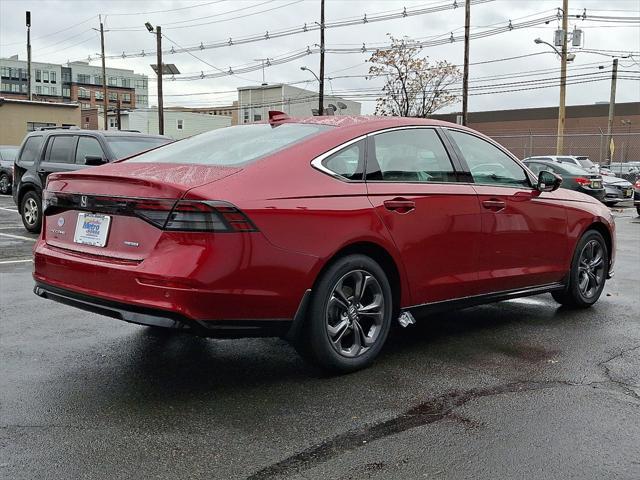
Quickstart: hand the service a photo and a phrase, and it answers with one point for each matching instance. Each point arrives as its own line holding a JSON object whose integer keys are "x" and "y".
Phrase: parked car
{"x": 616, "y": 190}
{"x": 63, "y": 150}
{"x": 628, "y": 171}
{"x": 636, "y": 195}
{"x": 579, "y": 161}
{"x": 274, "y": 229}
{"x": 605, "y": 170}
{"x": 573, "y": 178}
{"x": 7, "y": 156}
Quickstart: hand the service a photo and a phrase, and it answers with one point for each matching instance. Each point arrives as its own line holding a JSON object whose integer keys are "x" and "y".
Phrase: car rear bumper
{"x": 185, "y": 281}
{"x": 154, "y": 317}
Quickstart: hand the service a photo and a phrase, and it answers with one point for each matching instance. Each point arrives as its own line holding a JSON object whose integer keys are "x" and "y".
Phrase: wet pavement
{"x": 519, "y": 389}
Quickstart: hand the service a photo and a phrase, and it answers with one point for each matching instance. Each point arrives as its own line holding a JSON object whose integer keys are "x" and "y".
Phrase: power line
{"x": 165, "y": 11}
{"x": 310, "y": 27}
{"x": 53, "y": 33}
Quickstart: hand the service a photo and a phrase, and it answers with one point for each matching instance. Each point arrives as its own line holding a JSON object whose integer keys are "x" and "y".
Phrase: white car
{"x": 580, "y": 161}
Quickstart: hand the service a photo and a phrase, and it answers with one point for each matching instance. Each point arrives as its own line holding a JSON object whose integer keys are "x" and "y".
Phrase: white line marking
{"x": 9, "y": 210}
{"x": 7, "y": 262}
{"x": 15, "y": 227}
{"x": 19, "y": 237}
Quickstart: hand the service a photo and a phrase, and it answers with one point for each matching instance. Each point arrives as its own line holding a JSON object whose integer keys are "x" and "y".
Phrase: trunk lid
{"x": 103, "y": 211}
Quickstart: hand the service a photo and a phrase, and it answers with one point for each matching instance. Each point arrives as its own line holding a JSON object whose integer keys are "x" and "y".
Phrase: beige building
{"x": 255, "y": 102}
{"x": 18, "y": 117}
{"x": 225, "y": 111}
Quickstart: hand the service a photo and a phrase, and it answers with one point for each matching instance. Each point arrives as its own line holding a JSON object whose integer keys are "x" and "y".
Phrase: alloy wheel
{"x": 355, "y": 313}
{"x": 591, "y": 269}
{"x": 31, "y": 211}
{"x": 4, "y": 184}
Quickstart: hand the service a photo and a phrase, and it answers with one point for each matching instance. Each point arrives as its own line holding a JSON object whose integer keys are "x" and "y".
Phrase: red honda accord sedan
{"x": 325, "y": 230}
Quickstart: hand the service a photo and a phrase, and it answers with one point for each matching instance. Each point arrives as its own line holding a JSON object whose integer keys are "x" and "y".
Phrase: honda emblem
{"x": 83, "y": 201}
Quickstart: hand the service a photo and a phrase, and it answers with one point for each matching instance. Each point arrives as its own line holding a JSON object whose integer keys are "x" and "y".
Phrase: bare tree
{"x": 414, "y": 87}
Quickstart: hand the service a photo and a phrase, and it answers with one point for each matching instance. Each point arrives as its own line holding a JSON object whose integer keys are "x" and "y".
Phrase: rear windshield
{"x": 124, "y": 147}
{"x": 570, "y": 169}
{"x": 233, "y": 145}
{"x": 585, "y": 162}
{"x": 8, "y": 153}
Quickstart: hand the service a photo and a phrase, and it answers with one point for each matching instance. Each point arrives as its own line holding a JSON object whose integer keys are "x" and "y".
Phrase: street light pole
{"x": 29, "y": 96}
{"x": 104, "y": 78}
{"x": 321, "y": 80}
{"x": 160, "y": 71}
{"x": 465, "y": 75}
{"x": 563, "y": 78}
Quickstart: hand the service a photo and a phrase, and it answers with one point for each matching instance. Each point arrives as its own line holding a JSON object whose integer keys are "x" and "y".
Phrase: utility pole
{"x": 612, "y": 110}
{"x": 118, "y": 115}
{"x": 321, "y": 90}
{"x": 563, "y": 78}
{"x": 160, "y": 71}
{"x": 29, "y": 96}
{"x": 465, "y": 76}
{"x": 104, "y": 77}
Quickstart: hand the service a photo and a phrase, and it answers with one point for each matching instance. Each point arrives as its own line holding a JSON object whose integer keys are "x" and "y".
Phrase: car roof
{"x": 104, "y": 133}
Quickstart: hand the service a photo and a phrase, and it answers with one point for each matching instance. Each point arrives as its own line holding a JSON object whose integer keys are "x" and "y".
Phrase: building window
{"x": 97, "y": 79}
{"x": 113, "y": 97}
{"x": 52, "y": 77}
{"x": 113, "y": 81}
{"x": 66, "y": 92}
{"x": 99, "y": 95}
{"x": 4, "y": 72}
{"x": 45, "y": 76}
{"x": 141, "y": 99}
{"x": 54, "y": 90}
{"x": 82, "y": 78}
{"x": 38, "y": 76}
{"x": 179, "y": 124}
{"x": 84, "y": 93}
{"x": 38, "y": 90}
{"x": 245, "y": 116}
{"x": 85, "y": 106}
{"x": 126, "y": 97}
{"x": 257, "y": 117}
{"x": 23, "y": 74}
{"x": 126, "y": 82}
{"x": 112, "y": 122}
{"x": 45, "y": 90}
{"x": 66, "y": 77}
{"x": 15, "y": 88}
{"x": 141, "y": 83}
{"x": 23, "y": 87}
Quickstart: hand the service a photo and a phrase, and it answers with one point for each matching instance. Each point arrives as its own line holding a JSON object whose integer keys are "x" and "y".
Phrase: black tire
{"x": 5, "y": 184}
{"x": 31, "y": 211}
{"x": 314, "y": 342}
{"x": 574, "y": 294}
{"x": 638, "y": 211}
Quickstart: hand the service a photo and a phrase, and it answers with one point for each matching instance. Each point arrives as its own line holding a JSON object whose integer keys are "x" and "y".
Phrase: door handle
{"x": 400, "y": 205}
{"x": 494, "y": 204}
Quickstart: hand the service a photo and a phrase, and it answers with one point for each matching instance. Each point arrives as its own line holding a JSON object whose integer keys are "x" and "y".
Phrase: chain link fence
{"x": 592, "y": 145}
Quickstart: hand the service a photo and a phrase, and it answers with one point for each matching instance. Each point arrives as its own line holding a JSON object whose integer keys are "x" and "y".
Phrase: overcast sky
{"x": 62, "y": 31}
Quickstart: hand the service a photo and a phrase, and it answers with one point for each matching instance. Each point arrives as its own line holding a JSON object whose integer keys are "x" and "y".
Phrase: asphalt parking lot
{"x": 519, "y": 389}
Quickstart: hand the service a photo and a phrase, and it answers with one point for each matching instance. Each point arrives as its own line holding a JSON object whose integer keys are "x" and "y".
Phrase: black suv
{"x": 63, "y": 150}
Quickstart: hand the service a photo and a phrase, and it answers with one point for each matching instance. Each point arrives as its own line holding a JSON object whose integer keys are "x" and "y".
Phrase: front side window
{"x": 232, "y": 146}
{"x": 410, "y": 155}
{"x": 488, "y": 164}
{"x": 61, "y": 149}
{"x": 348, "y": 162}
{"x": 88, "y": 146}
{"x": 31, "y": 149}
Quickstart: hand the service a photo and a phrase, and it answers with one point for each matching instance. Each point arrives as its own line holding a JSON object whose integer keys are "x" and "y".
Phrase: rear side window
{"x": 88, "y": 146}
{"x": 348, "y": 162}
{"x": 411, "y": 155}
{"x": 61, "y": 149}
{"x": 231, "y": 146}
{"x": 31, "y": 149}
{"x": 487, "y": 163}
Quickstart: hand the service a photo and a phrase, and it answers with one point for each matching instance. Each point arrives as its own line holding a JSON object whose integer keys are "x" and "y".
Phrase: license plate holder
{"x": 92, "y": 229}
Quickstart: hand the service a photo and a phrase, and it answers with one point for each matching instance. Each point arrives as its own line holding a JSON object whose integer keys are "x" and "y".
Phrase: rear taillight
{"x": 583, "y": 181}
{"x": 637, "y": 184}
{"x": 193, "y": 216}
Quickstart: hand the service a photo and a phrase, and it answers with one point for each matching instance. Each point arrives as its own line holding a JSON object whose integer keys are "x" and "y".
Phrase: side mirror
{"x": 94, "y": 160}
{"x": 548, "y": 181}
